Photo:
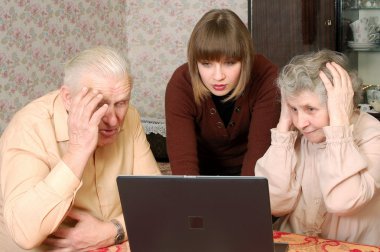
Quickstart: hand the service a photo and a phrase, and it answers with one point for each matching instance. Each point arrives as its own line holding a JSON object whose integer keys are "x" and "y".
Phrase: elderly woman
{"x": 323, "y": 165}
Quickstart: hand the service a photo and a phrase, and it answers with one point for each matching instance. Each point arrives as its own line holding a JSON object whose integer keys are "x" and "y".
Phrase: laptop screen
{"x": 196, "y": 213}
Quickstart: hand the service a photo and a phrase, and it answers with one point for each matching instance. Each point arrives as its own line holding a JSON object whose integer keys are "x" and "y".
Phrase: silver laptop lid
{"x": 196, "y": 213}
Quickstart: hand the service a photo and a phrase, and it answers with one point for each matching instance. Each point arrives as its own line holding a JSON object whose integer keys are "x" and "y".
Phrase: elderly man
{"x": 60, "y": 155}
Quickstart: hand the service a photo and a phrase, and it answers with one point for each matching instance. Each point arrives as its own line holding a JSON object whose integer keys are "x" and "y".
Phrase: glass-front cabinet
{"x": 283, "y": 29}
{"x": 359, "y": 37}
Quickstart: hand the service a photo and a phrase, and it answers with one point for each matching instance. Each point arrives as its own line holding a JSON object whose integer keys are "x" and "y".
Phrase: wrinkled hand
{"x": 285, "y": 123}
{"x": 89, "y": 233}
{"x": 339, "y": 95}
{"x": 84, "y": 118}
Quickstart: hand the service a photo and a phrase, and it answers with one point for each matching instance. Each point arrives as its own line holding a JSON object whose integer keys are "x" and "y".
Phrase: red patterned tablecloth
{"x": 297, "y": 243}
{"x": 301, "y": 243}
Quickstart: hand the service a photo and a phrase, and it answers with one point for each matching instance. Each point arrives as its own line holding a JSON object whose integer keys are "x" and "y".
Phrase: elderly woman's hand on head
{"x": 285, "y": 123}
{"x": 339, "y": 95}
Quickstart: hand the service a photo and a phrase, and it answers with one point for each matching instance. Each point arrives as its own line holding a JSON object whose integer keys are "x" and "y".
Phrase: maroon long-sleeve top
{"x": 197, "y": 140}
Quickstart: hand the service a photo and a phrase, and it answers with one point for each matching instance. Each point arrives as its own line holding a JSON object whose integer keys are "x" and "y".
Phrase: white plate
{"x": 366, "y": 46}
{"x": 367, "y": 42}
{"x": 357, "y": 44}
{"x": 362, "y": 45}
{"x": 361, "y": 49}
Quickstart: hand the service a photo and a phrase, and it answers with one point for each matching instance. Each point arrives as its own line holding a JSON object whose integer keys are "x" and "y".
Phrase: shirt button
{"x": 219, "y": 125}
{"x": 237, "y": 109}
{"x": 212, "y": 111}
{"x": 231, "y": 124}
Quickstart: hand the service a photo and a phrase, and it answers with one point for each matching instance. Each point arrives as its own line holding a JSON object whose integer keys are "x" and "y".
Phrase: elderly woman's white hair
{"x": 302, "y": 73}
{"x": 101, "y": 61}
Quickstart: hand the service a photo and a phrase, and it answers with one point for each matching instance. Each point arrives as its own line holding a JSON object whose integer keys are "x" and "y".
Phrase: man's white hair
{"x": 101, "y": 61}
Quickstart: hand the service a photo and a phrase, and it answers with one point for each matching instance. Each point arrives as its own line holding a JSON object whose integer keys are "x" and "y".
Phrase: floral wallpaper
{"x": 157, "y": 35}
{"x": 37, "y": 37}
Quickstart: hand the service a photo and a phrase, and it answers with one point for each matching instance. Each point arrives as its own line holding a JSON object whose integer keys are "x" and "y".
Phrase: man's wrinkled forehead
{"x": 105, "y": 81}
{"x": 108, "y": 85}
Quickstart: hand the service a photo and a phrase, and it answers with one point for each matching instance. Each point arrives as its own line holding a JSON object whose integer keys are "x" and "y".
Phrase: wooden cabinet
{"x": 283, "y": 29}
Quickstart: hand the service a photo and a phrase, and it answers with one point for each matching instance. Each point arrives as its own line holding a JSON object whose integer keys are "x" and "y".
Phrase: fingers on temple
{"x": 336, "y": 72}
{"x": 80, "y": 96}
{"x": 326, "y": 81}
{"x": 345, "y": 77}
{"x": 86, "y": 103}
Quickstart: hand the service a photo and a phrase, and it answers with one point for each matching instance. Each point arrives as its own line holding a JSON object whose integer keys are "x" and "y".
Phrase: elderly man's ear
{"x": 66, "y": 96}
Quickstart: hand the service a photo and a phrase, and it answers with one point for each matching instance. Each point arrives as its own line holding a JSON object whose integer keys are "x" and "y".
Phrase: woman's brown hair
{"x": 219, "y": 34}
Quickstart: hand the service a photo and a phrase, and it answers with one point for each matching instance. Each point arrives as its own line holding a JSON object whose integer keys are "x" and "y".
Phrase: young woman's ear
{"x": 66, "y": 96}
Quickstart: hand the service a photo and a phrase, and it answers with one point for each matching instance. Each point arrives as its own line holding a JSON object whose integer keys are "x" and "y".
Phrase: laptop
{"x": 174, "y": 213}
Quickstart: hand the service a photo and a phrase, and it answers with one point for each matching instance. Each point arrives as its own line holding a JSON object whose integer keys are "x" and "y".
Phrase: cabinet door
{"x": 364, "y": 57}
{"x": 285, "y": 28}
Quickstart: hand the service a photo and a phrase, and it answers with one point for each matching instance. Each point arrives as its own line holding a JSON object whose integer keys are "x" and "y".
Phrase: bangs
{"x": 217, "y": 43}
{"x": 220, "y": 36}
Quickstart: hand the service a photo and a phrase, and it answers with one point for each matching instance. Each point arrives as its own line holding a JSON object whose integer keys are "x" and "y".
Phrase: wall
{"x": 37, "y": 37}
{"x": 158, "y": 32}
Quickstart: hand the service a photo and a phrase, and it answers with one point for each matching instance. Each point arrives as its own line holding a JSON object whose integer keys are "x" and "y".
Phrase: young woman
{"x": 323, "y": 165}
{"x": 221, "y": 105}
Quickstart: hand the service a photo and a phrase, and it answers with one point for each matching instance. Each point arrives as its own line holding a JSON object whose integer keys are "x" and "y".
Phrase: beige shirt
{"x": 38, "y": 188}
{"x": 331, "y": 189}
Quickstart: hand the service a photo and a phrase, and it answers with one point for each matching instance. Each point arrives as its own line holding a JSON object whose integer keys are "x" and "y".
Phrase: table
{"x": 301, "y": 243}
{"x": 297, "y": 243}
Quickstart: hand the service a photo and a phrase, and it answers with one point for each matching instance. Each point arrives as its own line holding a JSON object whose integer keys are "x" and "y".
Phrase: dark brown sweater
{"x": 197, "y": 140}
